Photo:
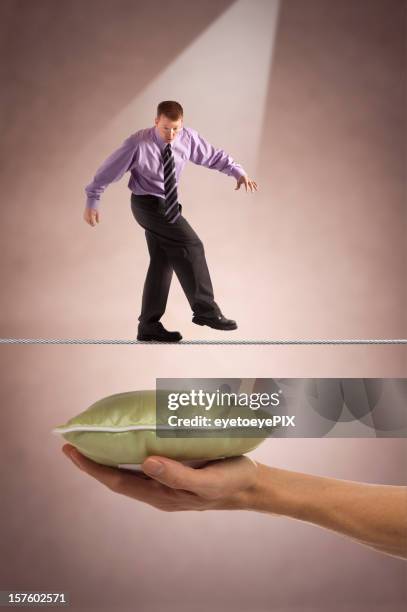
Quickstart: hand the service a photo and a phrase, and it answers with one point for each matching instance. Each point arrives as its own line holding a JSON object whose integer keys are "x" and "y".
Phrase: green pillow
{"x": 119, "y": 431}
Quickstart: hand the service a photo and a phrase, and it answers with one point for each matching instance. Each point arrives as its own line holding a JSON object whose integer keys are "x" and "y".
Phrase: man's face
{"x": 167, "y": 128}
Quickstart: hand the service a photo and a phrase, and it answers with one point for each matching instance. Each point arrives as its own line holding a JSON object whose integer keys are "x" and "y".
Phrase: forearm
{"x": 204, "y": 154}
{"x": 375, "y": 515}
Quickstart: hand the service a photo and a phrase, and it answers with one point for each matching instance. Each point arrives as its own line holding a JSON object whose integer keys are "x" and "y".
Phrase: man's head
{"x": 169, "y": 119}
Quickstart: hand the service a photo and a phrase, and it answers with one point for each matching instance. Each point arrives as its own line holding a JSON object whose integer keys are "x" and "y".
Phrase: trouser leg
{"x": 185, "y": 255}
{"x": 189, "y": 263}
{"x": 157, "y": 283}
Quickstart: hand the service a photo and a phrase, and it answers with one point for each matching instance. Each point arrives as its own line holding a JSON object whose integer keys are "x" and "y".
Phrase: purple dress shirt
{"x": 141, "y": 155}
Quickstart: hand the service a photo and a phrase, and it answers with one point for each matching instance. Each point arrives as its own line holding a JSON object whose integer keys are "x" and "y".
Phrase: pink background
{"x": 318, "y": 252}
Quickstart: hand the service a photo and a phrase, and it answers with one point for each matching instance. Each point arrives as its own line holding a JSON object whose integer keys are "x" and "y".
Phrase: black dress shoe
{"x": 217, "y": 322}
{"x": 157, "y": 332}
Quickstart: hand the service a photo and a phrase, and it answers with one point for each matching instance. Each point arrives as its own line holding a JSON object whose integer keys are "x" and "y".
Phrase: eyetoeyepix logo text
{"x": 208, "y": 399}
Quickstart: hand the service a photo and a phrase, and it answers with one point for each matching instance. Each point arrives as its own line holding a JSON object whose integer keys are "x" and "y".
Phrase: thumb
{"x": 174, "y": 474}
{"x": 238, "y": 186}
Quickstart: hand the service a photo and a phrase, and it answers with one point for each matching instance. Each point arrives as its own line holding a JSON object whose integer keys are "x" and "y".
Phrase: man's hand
{"x": 91, "y": 216}
{"x": 225, "y": 484}
{"x": 244, "y": 180}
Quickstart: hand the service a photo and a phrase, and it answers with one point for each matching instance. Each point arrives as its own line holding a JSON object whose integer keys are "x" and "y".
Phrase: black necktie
{"x": 170, "y": 186}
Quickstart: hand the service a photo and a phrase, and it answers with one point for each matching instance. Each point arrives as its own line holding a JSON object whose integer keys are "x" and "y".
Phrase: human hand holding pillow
{"x": 224, "y": 484}
{"x": 374, "y": 515}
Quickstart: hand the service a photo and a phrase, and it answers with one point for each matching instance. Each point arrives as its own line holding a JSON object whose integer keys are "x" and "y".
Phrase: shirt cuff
{"x": 237, "y": 172}
{"x": 92, "y": 203}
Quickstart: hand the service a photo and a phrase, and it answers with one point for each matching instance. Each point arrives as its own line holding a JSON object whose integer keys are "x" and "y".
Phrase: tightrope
{"x": 203, "y": 342}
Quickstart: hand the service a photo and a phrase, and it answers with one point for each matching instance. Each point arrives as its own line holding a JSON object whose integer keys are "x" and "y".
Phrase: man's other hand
{"x": 91, "y": 216}
{"x": 248, "y": 183}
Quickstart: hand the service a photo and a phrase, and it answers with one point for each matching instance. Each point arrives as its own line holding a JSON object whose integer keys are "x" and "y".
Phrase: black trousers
{"x": 172, "y": 247}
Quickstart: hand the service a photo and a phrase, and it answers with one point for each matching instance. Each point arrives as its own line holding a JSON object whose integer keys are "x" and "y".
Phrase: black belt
{"x": 150, "y": 202}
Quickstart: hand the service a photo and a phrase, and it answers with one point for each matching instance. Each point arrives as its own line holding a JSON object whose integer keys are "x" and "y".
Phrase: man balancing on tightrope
{"x": 155, "y": 157}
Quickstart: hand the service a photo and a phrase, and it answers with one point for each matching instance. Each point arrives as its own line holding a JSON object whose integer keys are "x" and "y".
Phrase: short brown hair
{"x": 172, "y": 110}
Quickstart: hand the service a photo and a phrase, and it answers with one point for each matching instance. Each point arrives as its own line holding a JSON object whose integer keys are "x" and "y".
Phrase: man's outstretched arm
{"x": 374, "y": 515}
{"x": 203, "y": 153}
{"x": 112, "y": 169}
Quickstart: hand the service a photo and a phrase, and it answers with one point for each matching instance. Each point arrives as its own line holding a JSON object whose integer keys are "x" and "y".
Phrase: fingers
{"x": 119, "y": 481}
{"x": 175, "y": 475}
{"x": 248, "y": 183}
{"x": 91, "y": 216}
{"x": 136, "y": 486}
{"x": 252, "y": 185}
{"x": 102, "y": 473}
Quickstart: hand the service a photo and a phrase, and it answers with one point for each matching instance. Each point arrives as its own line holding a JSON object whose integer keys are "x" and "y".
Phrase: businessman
{"x": 155, "y": 158}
